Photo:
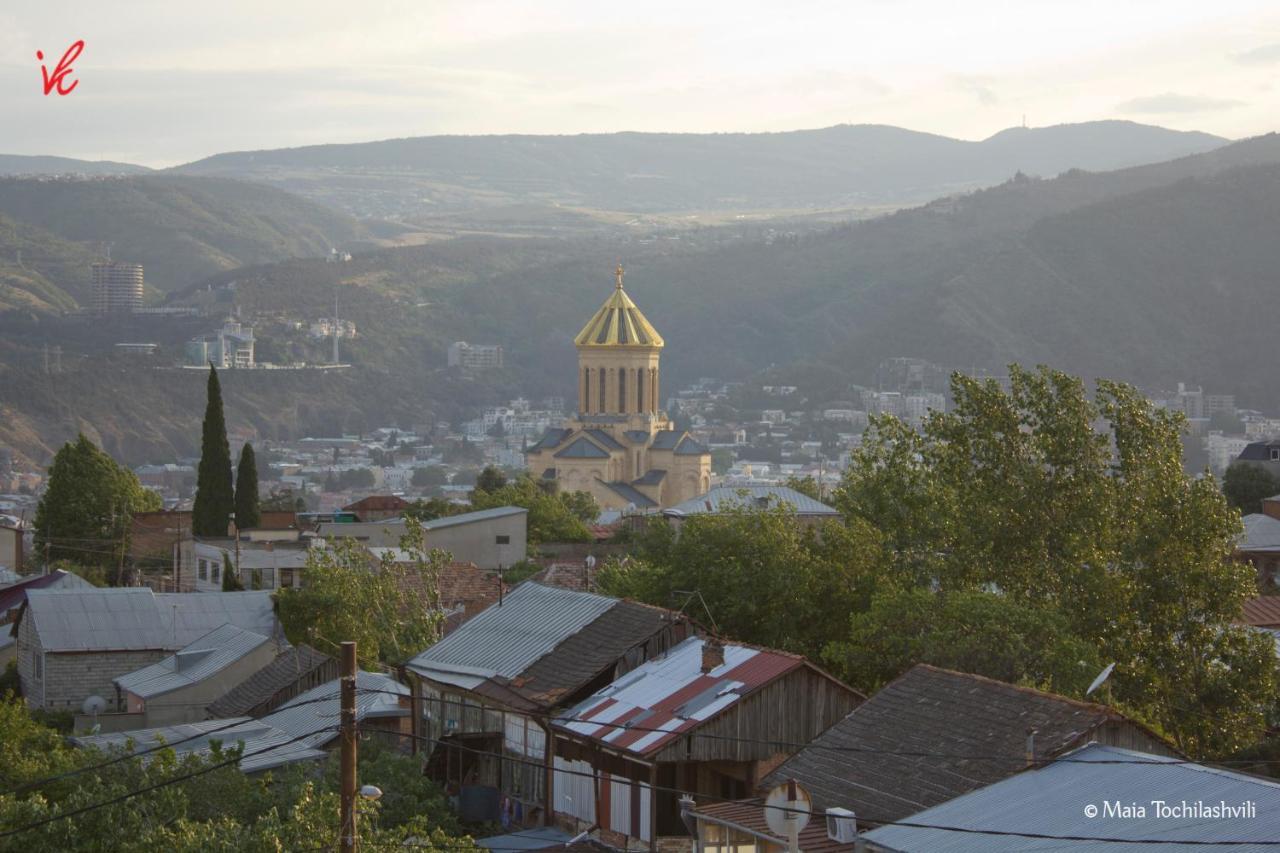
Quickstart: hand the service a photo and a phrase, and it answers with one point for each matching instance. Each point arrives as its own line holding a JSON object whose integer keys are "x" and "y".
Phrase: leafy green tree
{"x": 432, "y": 508}
{"x": 248, "y": 515}
{"x": 1246, "y": 486}
{"x": 389, "y": 607}
{"x": 742, "y": 557}
{"x": 283, "y": 500}
{"x": 1019, "y": 492}
{"x": 722, "y": 459}
{"x": 970, "y": 630}
{"x": 222, "y": 809}
{"x": 806, "y": 486}
{"x": 85, "y": 514}
{"x": 490, "y": 479}
{"x": 552, "y": 517}
{"x": 215, "y": 498}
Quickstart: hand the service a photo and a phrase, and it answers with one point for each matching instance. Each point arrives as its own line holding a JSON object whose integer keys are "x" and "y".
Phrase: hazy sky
{"x": 166, "y": 82}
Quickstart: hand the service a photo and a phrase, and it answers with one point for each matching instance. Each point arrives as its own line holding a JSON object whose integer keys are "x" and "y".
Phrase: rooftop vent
{"x": 842, "y": 825}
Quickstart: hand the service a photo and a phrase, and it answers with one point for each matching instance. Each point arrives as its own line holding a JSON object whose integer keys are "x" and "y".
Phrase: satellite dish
{"x": 1102, "y": 676}
{"x": 788, "y": 800}
{"x": 93, "y": 706}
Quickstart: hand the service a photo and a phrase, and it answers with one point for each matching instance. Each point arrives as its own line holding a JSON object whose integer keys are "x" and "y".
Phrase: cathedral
{"x": 621, "y": 447}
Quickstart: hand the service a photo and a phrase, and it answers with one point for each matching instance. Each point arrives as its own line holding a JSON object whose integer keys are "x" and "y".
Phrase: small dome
{"x": 618, "y": 323}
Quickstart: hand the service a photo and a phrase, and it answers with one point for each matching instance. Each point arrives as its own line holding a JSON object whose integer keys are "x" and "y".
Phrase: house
{"x": 178, "y": 688}
{"x": 488, "y": 686}
{"x": 301, "y": 730}
{"x": 270, "y": 560}
{"x": 1260, "y": 544}
{"x": 293, "y": 671}
{"x": 1262, "y": 454}
{"x": 707, "y": 717}
{"x": 73, "y": 644}
{"x": 1263, "y": 614}
{"x": 14, "y": 595}
{"x": 741, "y": 826}
{"x": 1098, "y": 792}
{"x": 490, "y": 538}
{"x": 377, "y": 507}
{"x": 934, "y": 734}
{"x": 729, "y": 498}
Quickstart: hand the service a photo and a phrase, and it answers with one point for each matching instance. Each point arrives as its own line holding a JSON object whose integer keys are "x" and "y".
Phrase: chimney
{"x": 1031, "y": 747}
{"x": 712, "y": 654}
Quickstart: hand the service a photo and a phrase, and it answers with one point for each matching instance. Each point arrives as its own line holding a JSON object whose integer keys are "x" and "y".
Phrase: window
{"x": 600, "y": 395}
{"x": 502, "y": 540}
{"x": 37, "y": 665}
{"x": 1275, "y": 454}
{"x": 622, "y": 390}
{"x": 215, "y": 571}
{"x": 204, "y": 570}
{"x": 639, "y": 390}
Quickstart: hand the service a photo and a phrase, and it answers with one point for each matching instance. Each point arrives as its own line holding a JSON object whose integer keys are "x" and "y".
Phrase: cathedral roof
{"x": 618, "y": 323}
{"x": 581, "y": 449}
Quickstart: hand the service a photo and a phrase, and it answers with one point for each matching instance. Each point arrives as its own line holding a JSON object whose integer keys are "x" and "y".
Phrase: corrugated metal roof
{"x": 267, "y": 741}
{"x": 118, "y": 619}
{"x": 473, "y": 517}
{"x": 503, "y": 640}
{"x": 207, "y": 656}
{"x": 1052, "y": 801}
{"x": 673, "y": 694}
{"x": 750, "y": 815}
{"x": 289, "y": 667}
{"x": 1263, "y": 611}
{"x": 722, "y": 498}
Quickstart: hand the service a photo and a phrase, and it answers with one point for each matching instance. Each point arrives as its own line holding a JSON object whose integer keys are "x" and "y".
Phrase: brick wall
{"x": 72, "y": 677}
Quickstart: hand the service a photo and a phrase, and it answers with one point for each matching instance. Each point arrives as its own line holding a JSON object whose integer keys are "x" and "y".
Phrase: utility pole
{"x": 347, "y": 834}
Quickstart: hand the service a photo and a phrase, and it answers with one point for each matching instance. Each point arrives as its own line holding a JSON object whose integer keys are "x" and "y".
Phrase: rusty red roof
{"x": 749, "y": 815}
{"x": 657, "y": 702}
{"x": 1262, "y": 612}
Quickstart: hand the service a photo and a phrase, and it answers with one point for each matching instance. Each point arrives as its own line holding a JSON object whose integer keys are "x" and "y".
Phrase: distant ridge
{"x": 22, "y": 164}
{"x": 841, "y": 166}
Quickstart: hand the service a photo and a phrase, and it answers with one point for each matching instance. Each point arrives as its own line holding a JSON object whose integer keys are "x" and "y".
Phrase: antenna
{"x": 335, "y": 324}
{"x": 1102, "y": 677}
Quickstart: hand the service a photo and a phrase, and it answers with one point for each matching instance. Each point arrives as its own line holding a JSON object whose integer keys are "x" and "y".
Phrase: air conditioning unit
{"x": 842, "y": 825}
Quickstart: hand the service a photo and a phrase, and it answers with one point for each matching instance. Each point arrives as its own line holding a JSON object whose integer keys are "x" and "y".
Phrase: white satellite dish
{"x": 1102, "y": 676}
{"x": 788, "y": 800}
{"x": 93, "y": 706}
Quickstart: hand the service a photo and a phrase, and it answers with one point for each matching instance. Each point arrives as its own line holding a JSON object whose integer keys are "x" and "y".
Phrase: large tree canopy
{"x": 248, "y": 515}
{"x": 1246, "y": 486}
{"x": 85, "y": 513}
{"x": 1079, "y": 506}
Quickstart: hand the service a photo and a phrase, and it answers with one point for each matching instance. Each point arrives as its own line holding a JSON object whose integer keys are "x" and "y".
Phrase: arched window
{"x": 600, "y": 400}
{"x": 622, "y": 390}
{"x": 640, "y": 389}
{"x": 586, "y": 390}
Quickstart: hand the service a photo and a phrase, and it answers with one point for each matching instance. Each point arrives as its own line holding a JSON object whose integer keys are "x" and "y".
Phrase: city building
{"x": 136, "y": 348}
{"x": 230, "y": 346}
{"x": 117, "y": 287}
{"x": 474, "y": 358}
{"x": 622, "y": 448}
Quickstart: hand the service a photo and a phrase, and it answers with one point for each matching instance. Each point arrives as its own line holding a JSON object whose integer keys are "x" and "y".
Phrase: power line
{"x": 911, "y": 824}
{"x": 158, "y": 785}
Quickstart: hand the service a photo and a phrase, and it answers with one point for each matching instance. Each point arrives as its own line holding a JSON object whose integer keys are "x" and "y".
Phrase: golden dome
{"x": 618, "y": 323}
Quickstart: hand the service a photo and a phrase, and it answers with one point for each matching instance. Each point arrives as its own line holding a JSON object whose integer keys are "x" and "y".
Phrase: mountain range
{"x": 847, "y": 166}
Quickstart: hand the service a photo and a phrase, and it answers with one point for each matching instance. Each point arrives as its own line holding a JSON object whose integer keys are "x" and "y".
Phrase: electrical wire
{"x": 1154, "y": 842}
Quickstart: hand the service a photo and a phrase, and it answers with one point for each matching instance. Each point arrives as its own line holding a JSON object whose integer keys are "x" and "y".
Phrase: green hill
{"x": 22, "y": 164}
{"x": 181, "y": 229}
{"x": 40, "y": 272}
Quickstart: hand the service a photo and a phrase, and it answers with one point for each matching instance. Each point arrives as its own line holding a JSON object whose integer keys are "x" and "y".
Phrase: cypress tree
{"x": 247, "y": 512}
{"x": 215, "y": 499}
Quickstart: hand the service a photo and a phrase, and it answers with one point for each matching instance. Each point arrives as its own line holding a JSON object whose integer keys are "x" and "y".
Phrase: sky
{"x": 162, "y": 83}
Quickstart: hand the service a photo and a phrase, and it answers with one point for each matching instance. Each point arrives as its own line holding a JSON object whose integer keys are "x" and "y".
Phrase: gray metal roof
{"x": 631, "y": 494}
{"x": 666, "y": 439}
{"x": 119, "y": 619}
{"x": 203, "y": 658}
{"x": 722, "y": 498}
{"x": 1052, "y": 801}
{"x": 604, "y": 438}
{"x": 473, "y": 517}
{"x": 1261, "y": 533}
{"x": 312, "y": 718}
{"x": 504, "y": 640}
{"x": 690, "y": 446}
{"x": 532, "y": 838}
{"x": 581, "y": 448}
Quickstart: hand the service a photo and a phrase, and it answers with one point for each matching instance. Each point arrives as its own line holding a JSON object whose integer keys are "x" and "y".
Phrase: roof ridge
{"x": 1057, "y": 697}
